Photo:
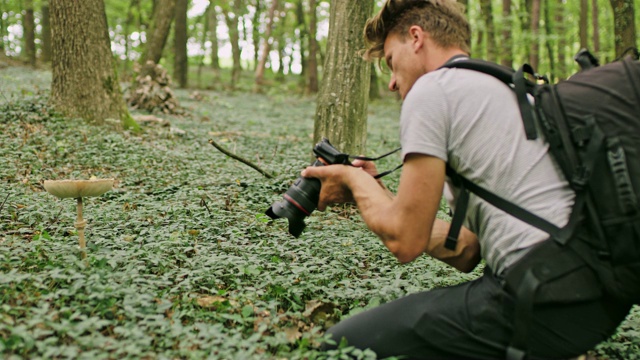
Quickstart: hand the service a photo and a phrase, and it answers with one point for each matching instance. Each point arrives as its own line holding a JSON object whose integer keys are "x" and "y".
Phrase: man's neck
{"x": 440, "y": 57}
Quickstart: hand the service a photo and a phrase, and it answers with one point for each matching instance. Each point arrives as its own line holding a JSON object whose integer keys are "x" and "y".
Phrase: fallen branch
{"x": 5, "y": 200}
{"x": 241, "y": 159}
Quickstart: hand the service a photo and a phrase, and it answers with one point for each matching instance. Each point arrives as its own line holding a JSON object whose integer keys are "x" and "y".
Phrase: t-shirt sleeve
{"x": 424, "y": 121}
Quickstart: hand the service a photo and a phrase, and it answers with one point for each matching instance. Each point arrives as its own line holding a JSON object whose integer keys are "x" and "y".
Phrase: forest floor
{"x": 181, "y": 260}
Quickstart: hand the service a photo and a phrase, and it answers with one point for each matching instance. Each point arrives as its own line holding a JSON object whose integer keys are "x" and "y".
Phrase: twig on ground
{"x": 239, "y": 158}
{"x": 5, "y": 200}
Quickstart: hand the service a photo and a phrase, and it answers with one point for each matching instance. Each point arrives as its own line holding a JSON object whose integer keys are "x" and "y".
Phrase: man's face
{"x": 401, "y": 56}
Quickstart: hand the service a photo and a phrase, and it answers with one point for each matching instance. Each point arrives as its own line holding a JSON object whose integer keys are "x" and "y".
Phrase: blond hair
{"x": 444, "y": 20}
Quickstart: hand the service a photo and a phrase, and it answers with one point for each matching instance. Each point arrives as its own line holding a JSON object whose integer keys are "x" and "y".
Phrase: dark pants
{"x": 475, "y": 320}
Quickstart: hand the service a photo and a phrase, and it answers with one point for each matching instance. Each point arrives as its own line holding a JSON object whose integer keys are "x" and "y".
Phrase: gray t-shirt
{"x": 472, "y": 121}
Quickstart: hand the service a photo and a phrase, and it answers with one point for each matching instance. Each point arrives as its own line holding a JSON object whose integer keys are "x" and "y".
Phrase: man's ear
{"x": 417, "y": 36}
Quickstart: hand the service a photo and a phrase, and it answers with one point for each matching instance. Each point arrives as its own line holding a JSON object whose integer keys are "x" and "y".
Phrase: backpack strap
{"x": 511, "y": 78}
{"x": 495, "y": 200}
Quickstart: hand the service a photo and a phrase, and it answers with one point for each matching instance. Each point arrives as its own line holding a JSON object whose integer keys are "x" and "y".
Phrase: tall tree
{"x": 562, "y": 40}
{"x": 256, "y": 32}
{"x": 205, "y": 18}
{"x": 302, "y": 35}
{"x": 534, "y": 55}
{"x": 29, "y": 26}
{"x": 490, "y": 34}
{"x": 595, "y": 26}
{"x": 312, "y": 67}
{"x": 548, "y": 21}
{"x": 525, "y": 23}
{"x": 181, "y": 60}
{"x": 84, "y": 81}
{"x": 623, "y": 25}
{"x": 507, "y": 40}
{"x": 584, "y": 24}
{"x": 341, "y": 112}
{"x": 266, "y": 46}
{"x": 163, "y": 14}
{"x": 128, "y": 22}
{"x": 46, "y": 32}
{"x": 232, "y": 10}
{"x": 213, "y": 26}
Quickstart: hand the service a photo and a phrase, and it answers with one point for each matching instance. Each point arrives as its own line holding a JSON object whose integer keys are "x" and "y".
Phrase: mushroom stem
{"x": 80, "y": 225}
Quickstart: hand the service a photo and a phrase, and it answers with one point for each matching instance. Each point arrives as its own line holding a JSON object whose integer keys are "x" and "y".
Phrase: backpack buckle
{"x": 580, "y": 177}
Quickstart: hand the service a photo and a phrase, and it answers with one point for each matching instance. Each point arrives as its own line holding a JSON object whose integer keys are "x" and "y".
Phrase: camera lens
{"x": 299, "y": 202}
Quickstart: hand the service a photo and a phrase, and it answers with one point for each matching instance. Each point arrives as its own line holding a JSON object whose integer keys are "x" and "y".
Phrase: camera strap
{"x": 384, "y": 173}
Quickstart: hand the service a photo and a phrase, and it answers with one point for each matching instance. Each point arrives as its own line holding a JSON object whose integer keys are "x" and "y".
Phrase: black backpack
{"x": 592, "y": 124}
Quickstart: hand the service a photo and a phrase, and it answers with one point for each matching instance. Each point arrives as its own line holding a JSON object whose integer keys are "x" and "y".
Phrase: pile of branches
{"x": 151, "y": 90}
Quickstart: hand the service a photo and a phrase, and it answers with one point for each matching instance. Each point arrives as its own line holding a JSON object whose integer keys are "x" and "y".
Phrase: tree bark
{"x": 548, "y": 41}
{"x": 624, "y": 25}
{"x": 341, "y": 112}
{"x": 231, "y": 15}
{"x": 374, "y": 89}
{"x": 266, "y": 46}
{"x": 303, "y": 33}
{"x": 213, "y": 25}
{"x": 534, "y": 56}
{"x": 164, "y": 11}
{"x": 256, "y": 33}
{"x": 203, "y": 42}
{"x": 46, "y": 33}
{"x": 127, "y": 26}
{"x": 487, "y": 17}
{"x": 525, "y": 22}
{"x": 507, "y": 40}
{"x": 180, "y": 60}
{"x": 281, "y": 56}
{"x": 584, "y": 24}
{"x": 595, "y": 26}
{"x": 29, "y": 27}
{"x": 562, "y": 41}
{"x": 84, "y": 81}
{"x": 312, "y": 68}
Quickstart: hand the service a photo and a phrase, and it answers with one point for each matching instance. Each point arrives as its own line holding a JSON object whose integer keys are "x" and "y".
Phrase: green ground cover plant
{"x": 182, "y": 262}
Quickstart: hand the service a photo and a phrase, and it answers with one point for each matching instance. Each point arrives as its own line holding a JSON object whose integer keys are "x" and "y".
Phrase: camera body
{"x": 302, "y": 197}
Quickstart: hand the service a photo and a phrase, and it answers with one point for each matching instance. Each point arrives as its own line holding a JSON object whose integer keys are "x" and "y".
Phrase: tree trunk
{"x": 266, "y": 47}
{"x": 213, "y": 25}
{"x": 584, "y": 24}
{"x": 341, "y": 112}
{"x": 127, "y": 26}
{"x": 595, "y": 26}
{"x": 507, "y": 39}
{"x": 203, "y": 42}
{"x": 84, "y": 81}
{"x": 256, "y": 33}
{"x": 231, "y": 17}
{"x": 180, "y": 60}
{"x": 624, "y": 25}
{"x": 525, "y": 21}
{"x": 29, "y": 27}
{"x": 312, "y": 68}
{"x": 46, "y": 33}
{"x": 164, "y": 11}
{"x": 534, "y": 56}
{"x": 487, "y": 17}
{"x": 303, "y": 33}
{"x": 562, "y": 41}
{"x": 548, "y": 41}
{"x": 374, "y": 89}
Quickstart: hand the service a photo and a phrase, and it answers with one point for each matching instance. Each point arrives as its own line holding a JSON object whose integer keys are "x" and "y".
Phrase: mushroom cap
{"x": 78, "y": 188}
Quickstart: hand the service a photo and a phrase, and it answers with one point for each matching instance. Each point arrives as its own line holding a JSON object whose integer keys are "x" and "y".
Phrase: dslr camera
{"x": 302, "y": 197}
